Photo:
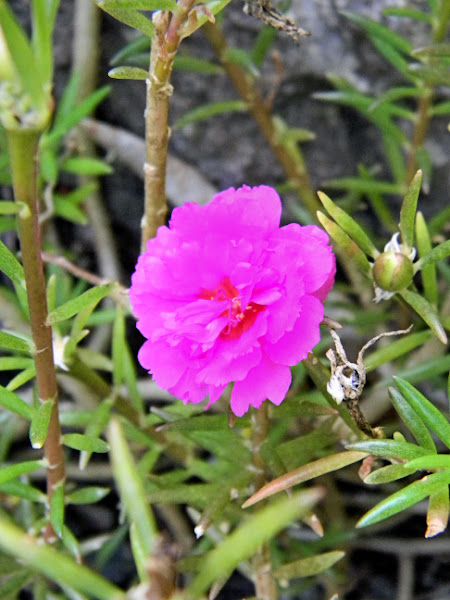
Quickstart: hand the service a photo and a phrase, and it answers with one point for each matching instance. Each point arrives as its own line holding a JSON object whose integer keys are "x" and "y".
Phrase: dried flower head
{"x": 225, "y": 295}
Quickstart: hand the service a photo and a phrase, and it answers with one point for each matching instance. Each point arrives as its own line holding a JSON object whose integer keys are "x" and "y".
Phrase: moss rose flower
{"x": 225, "y": 295}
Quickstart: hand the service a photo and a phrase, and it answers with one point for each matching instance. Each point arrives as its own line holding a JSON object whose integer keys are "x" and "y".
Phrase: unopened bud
{"x": 393, "y": 271}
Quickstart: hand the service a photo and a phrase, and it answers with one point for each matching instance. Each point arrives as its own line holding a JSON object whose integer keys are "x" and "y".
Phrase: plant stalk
{"x": 23, "y": 146}
{"x": 265, "y": 584}
{"x": 165, "y": 44}
{"x": 290, "y": 158}
{"x": 423, "y": 115}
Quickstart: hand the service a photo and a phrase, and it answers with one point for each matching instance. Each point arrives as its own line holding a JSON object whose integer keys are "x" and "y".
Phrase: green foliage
{"x": 387, "y": 271}
{"x": 421, "y": 417}
{"x": 202, "y": 472}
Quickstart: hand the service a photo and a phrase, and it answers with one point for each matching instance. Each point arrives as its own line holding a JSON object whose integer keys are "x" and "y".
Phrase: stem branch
{"x": 23, "y": 147}
{"x": 265, "y": 584}
{"x": 164, "y": 47}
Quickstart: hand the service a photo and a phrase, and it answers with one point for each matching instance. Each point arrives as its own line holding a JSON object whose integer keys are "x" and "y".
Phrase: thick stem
{"x": 265, "y": 584}
{"x": 23, "y": 151}
{"x": 290, "y": 158}
{"x": 423, "y": 115}
{"x": 164, "y": 47}
{"x": 422, "y": 123}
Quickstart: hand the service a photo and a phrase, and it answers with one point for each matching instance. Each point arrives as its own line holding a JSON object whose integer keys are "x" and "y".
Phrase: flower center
{"x": 239, "y": 319}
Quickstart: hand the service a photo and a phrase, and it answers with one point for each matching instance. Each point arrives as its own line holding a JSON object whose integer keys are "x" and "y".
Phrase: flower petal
{"x": 267, "y": 380}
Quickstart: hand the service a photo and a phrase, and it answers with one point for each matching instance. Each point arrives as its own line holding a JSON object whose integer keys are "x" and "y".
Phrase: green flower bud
{"x": 393, "y": 271}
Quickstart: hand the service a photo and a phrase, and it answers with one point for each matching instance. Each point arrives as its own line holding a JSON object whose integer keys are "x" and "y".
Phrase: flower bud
{"x": 393, "y": 271}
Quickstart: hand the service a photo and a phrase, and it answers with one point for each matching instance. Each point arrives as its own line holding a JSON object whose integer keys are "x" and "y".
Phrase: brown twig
{"x": 288, "y": 155}
{"x": 168, "y": 35}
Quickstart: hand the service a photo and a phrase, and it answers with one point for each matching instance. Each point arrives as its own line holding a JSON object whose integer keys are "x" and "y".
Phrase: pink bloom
{"x": 225, "y": 295}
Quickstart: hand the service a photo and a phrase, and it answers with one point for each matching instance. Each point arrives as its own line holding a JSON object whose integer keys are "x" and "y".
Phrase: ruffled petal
{"x": 294, "y": 345}
{"x": 267, "y": 380}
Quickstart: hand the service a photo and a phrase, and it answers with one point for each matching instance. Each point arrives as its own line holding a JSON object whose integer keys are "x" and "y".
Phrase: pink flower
{"x": 225, "y": 295}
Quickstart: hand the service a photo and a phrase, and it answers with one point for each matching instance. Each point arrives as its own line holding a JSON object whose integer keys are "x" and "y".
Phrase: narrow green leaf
{"x": 15, "y": 404}
{"x": 412, "y": 420}
{"x": 15, "y": 363}
{"x": 118, "y": 348}
{"x": 57, "y": 508}
{"x": 431, "y": 462}
{"x": 262, "y": 44}
{"x": 401, "y": 347}
{"x": 411, "y": 13}
{"x": 307, "y": 567}
{"x": 87, "y": 495}
{"x": 205, "y": 111}
{"x": 347, "y": 245}
{"x": 55, "y": 565}
{"x": 425, "y": 310}
{"x": 70, "y": 115}
{"x": 67, "y": 102}
{"x": 389, "y": 449}
{"x": 69, "y": 212}
{"x": 12, "y": 585}
{"x": 193, "y": 64}
{"x": 138, "y": 45}
{"x": 392, "y": 55}
{"x": 198, "y": 495}
{"x": 43, "y": 17}
{"x": 435, "y": 255}
{"x": 356, "y": 184}
{"x": 393, "y": 149}
{"x": 428, "y": 271}
{"x": 438, "y": 511}
{"x": 86, "y": 166}
{"x": 380, "y": 31}
{"x": 74, "y": 306}
{"x": 8, "y": 341}
{"x": 133, "y": 18}
{"x": 441, "y": 108}
{"x": 139, "y": 4}
{"x": 349, "y": 225}
{"x": 13, "y": 471}
{"x": 25, "y": 62}
{"x": 128, "y": 73}
{"x": 97, "y": 423}
{"x": 15, "y": 487}
{"x": 389, "y": 473}
{"x": 430, "y": 415}
{"x": 405, "y": 498}
{"x": 71, "y": 543}
{"x": 328, "y": 464}
{"x": 244, "y": 541}
{"x": 39, "y": 423}
{"x": 408, "y": 210}
{"x": 85, "y": 443}
{"x": 131, "y": 487}
{"x": 10, "y": 266}
{"x": 139, "y": 554}
{"x": 426, "y": 370}
{"x": 22, "y": 378}
{"x": 10, "y": 208}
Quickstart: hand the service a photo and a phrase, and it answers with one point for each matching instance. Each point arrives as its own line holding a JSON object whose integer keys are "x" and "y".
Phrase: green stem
{"x": 265, "y": 584}
{"x": 423, "y": 115}
{"x": 165, "y": 44}
{"x": 23, "y": 146}
{"x": 290, "y": 157}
